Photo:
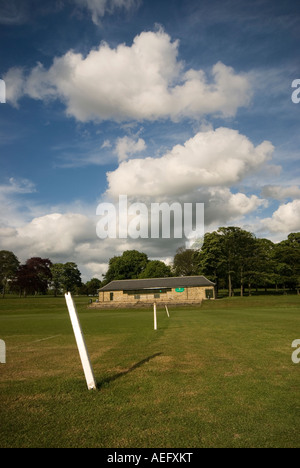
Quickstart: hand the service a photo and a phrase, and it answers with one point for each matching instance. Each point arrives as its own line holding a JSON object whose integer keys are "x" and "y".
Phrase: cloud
{"x": 281, "y": 193}
{"x": 202, "y": 170}
{"x": 62, "y": 237}
{"x": 53, "y": 235}
{"x": 127, "y": 147}
{"x": 13, "y": 207}
{"x": 18, "y": 12}
{"x": 223, "y": 207}
{"x": 15, "y": 83}
{"x": 16, "y": 186}
{"x": 106, "y": 144}
{"x": 98, "y": 8}
{"x": 12, "y": 12}
{"x": 285, "y": 219}
{"x": 82, "y": 152}
{"x": 216, "y": 158}
{"x": 144, "y": 81}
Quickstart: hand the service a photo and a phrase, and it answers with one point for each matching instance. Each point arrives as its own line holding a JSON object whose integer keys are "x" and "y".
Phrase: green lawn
{"x": 219, "y": 375}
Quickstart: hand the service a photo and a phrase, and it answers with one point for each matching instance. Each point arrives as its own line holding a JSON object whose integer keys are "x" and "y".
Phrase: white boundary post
{"x": 85, "y": 360}
{"x": 155, "y": 318}
{"x": 167, "y": 311}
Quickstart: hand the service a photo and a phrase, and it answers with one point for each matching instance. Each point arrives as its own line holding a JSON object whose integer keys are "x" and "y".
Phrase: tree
{"x": 185, "y": 262}
{"x": 57, "y": 271}
{"x": 22, "y": 281}
{"x": 129, "y": 265}
{"x": 262, "y": 271}
{"x": 66, "y": 277}
{"x": 212, "y": 260}
{"x": 287, "y": 257}
{"x": 34, "y": 276}
{"x": 294, "y": 246}
{"x": 245, "y": 251}
{"x": 237, "y": 246}
{"x": 8, "y": 268}
{"x": 40, "y": 269}
{"x": 92, "y": 286}
{"x": 156, "y": 269}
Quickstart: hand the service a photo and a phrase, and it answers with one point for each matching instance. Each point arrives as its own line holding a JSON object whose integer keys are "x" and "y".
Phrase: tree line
{"x": 230, "y": 257}
{"x": 234, "y": 258}
{"x": 41, "y": 276}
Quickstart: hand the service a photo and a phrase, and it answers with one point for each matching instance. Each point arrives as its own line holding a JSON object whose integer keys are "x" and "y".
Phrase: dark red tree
{"x": 34, "y": 276}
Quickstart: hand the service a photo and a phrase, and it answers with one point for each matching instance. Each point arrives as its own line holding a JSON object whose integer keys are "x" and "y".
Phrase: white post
{"x": 167, "y": 311}
{"x": 85, "y": 361}
{"x": 155, "y": 318}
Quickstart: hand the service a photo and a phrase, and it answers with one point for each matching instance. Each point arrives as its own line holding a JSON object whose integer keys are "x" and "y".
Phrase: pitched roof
{"x": 152, "y": 283}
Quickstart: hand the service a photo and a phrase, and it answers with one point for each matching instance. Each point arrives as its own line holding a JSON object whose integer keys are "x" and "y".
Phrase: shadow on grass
{"x": 131, "y": 369}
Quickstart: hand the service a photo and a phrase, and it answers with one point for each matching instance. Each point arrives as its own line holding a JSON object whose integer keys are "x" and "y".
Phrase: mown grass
{"x": 219, "y": 375}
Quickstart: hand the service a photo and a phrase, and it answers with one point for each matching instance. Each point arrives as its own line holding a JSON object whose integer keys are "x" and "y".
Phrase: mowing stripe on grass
{"x": 44, "y": 339}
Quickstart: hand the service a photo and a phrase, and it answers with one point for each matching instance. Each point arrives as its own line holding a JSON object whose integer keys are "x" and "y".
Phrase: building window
{"x": 111, "y": 296}
{"x": 137, "y": 296}
{"x": 147, "y": 291}
{"x": 209, "y": 293}
{"x": 156, "y": 296}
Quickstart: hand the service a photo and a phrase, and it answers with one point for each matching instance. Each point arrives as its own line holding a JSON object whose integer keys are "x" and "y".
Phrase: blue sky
{"x": 177, "y": 101}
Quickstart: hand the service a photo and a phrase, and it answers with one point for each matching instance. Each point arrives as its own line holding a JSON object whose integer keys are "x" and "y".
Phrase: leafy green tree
{"x": 262, "y": 271}
{"x": 57, "y": 271}
{"x": 246, "y": 245}
{"x": 66, "y": 277}
{"x": 185, "y": 262}
{"x": 8, "y": 268}
{"x": 238, "y": 257}
{"x": 287, "y": 258}
{"x": 211, "y": 258}
{"x": 237, "y": 247}
{"x": 156, "y": 269}
{"x": 229, "y": 242}
{"x": 294, "y": 257}
{"x": 129, "y": 265}
{"x": 72, "y": 279}
{"x": 92, "y": 286}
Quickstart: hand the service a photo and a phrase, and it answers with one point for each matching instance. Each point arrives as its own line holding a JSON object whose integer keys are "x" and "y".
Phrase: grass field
{"x": 219, "y": 375}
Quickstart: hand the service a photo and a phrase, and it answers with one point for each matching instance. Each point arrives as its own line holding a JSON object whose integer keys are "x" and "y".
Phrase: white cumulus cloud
{"x": 127, "y": 147}
{"x": 56, "y": 234}
{"x": 144, "y": 81}
{"x": 285, "y": 219}
{"x": 216, "y": 158}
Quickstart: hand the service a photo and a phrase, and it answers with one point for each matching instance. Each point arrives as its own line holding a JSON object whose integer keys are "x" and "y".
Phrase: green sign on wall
{"x": 179, "y": 289}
